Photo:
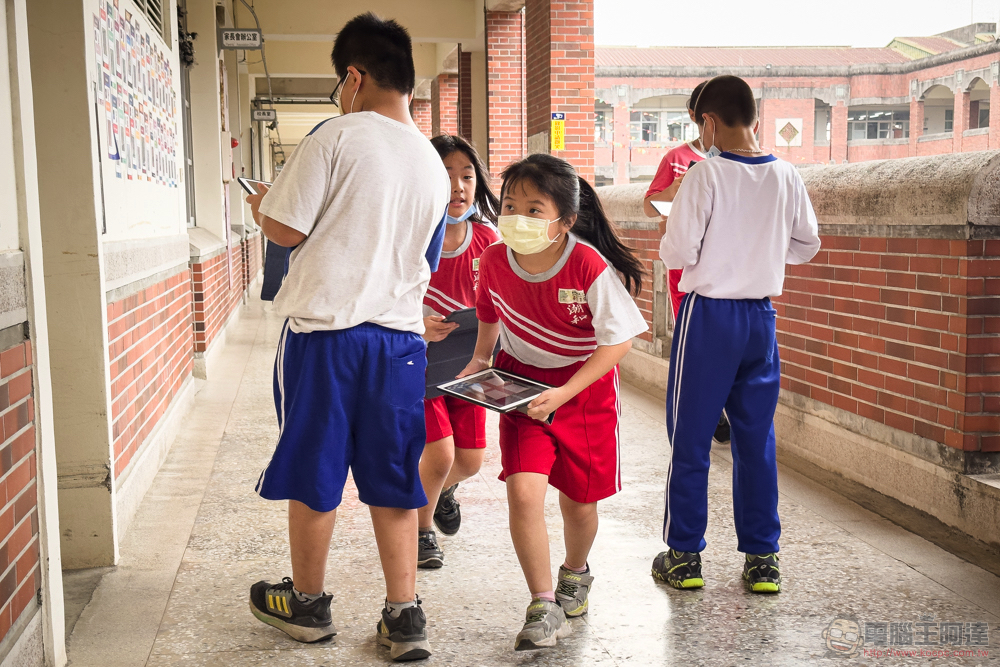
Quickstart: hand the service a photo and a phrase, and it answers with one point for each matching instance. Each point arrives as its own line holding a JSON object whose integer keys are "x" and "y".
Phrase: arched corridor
{"x": 201, "y": 537}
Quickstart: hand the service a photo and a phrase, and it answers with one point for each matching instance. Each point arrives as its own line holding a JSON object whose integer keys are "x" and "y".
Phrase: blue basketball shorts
{"x": 349, "y": 399}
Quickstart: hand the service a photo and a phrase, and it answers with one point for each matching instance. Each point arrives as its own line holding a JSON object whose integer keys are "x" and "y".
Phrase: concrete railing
{"x": 889, "y": 337}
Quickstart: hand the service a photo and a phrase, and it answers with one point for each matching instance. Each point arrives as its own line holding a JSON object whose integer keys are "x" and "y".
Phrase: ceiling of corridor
{"x": 299, "y": 36}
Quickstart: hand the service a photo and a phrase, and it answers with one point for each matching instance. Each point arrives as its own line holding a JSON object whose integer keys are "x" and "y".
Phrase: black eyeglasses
{"x": 334, "y": 96}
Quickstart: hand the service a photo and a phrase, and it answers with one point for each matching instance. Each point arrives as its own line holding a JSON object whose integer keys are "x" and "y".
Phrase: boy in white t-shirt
{"x": 362, "y": 202}
{"x": 739, "y": 217}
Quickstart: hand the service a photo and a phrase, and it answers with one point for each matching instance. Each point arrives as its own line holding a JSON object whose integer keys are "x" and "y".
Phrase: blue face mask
{"x": 465, "y": 216}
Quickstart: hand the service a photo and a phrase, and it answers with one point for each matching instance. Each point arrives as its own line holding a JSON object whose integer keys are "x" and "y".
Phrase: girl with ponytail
{"x": 456, "y": 430}
{"x": 556, "y": 294}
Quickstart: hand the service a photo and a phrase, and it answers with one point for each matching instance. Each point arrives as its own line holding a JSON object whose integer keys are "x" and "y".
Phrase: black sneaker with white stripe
{"x": 277, "y": 606}
{"x": 429, "y": 554}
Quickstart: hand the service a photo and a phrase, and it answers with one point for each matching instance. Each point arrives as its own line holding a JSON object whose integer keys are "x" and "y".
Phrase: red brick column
{"x": 444, "y": 104}
{"x": 465, "y": 94}
{"x": 505, "y": 81}
{"x": 838, "y": 133}
{"x": 560, "y": 76}
{"x": 961, "y": 118}
{"x": 421, "y": 111}
{"x": 916, "y": 124}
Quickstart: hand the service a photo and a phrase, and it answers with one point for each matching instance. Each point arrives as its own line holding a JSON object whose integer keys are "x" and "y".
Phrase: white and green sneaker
{"x": 572, "y": 591}
{"x": 544, "y": 624}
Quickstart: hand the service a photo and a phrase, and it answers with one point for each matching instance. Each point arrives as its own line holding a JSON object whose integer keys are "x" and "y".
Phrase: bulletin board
{"x": 137, "y": 97}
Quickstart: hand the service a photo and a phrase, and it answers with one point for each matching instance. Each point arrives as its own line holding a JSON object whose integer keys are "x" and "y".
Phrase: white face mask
{"x": 713, "y": 150}
{"x": 524, "y": 235}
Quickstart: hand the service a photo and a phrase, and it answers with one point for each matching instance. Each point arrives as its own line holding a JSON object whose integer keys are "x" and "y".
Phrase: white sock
{"x": 396, "y": 608}
{"x": 306, "y": 598}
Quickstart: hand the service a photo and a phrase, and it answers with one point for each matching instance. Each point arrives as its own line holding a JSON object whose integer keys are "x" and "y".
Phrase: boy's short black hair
{"x": 380, "y": 47}
{"x": 694, "y": 95}
{"x": 730, "y": 98}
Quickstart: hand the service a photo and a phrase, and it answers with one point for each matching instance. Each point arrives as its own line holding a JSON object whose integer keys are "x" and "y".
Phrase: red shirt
{"x": 675, "y": 163}
{"x": 453, "y": 286}
{"x": 559, "y": 317}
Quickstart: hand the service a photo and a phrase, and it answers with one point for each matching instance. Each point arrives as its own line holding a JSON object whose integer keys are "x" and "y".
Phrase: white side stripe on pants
{"x": 280, "y": 367}
{"x": 682, "y": 330}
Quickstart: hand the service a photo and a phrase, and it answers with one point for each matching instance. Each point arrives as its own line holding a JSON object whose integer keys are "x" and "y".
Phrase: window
{"x": 949, "y": 120}
{"x": 662, "y": 125}
{"x": 153, "y": 10}
{"x": 645, "y": 125}
{"x": 877, "y": 123}
{"x": 602, "y": 125}
{"x": 984, "y": 114}
{"x": 187, "y": 60}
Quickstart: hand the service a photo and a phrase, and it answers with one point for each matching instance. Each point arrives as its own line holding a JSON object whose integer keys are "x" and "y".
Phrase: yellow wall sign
{"x": 558, "y": 132}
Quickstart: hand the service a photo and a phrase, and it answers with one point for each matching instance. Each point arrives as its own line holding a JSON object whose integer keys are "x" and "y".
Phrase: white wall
{"x": 934, "y": 116}
{"x": 8, "y": 195}
{"x": 143, "y": 190}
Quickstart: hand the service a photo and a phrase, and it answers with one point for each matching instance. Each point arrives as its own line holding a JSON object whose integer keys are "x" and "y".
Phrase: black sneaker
{"x": 447, "y": 513}
{"x": 722, "y": 431}
{"x": 680, "y": 569}
{"x": 762, "y": 573}
{"x": 429, "y": 554}
{"x": 406, "y": 635}
{"x": 277, "y": 606}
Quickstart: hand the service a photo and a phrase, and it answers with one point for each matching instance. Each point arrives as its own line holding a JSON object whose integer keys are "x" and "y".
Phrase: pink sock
{"x": 544, "y": 595}
{"x": 578, "y": 570}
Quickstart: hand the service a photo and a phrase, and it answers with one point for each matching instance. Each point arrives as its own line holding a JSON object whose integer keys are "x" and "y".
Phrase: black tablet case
{"x": 449, "y": 357}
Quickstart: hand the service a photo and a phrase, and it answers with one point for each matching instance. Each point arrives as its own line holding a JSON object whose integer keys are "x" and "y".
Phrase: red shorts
{"x": 447, "y": 415}
{"x": 579, "y": 451}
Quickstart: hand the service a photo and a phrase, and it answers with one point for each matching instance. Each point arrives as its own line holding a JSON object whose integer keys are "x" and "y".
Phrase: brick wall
{"x": 465, "y": 94}
{"x": 505, "y": 83}
{"x": 646, "y": 243}
{"x": 421, "y": 110}
{"x": 150, "y": 350}
{"x": 900, "y": 331}
{"x": 772, "y": 110}
{"x": 444, "y": 104}
{"x": 19, "y": 543}
{"x": 215, "y": 298}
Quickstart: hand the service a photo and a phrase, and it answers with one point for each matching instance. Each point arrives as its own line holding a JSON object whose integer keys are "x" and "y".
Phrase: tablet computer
{"x": 662, "y": 207}
{"x": 465, "y": 318}
{"x": 449, "y": 357}
{"x": 496, "y": 390}
{"x": 250, "y": 185}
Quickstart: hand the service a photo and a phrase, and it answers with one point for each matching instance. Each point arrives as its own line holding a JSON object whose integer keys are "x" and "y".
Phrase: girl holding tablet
{"x": 553, "y": 293}
{"x": 456, "y": 430}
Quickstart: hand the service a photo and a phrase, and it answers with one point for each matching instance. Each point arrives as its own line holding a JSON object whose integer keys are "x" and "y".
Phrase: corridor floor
{"x": 202, "y": 537}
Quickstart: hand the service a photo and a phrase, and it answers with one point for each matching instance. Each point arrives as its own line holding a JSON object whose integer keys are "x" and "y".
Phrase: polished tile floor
{"x": 179, "y": 596}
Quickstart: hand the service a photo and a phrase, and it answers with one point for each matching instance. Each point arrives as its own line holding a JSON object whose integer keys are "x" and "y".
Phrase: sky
{"x": 780, "y": 22}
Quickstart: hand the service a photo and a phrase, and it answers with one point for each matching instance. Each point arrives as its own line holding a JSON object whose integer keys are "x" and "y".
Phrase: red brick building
{"x": 824, "y": 105}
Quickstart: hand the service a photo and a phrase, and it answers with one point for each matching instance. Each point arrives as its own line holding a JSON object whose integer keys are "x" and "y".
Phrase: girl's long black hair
{"x": 575, "y": 196}
{"x": 487, "y": 204}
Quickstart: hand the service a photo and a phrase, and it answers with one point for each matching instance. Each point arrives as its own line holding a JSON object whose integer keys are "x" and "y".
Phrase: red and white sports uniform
{"x": 673, "y": 165}
{"x": 550, "y": 324}
{"x": 453, "y": 287}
